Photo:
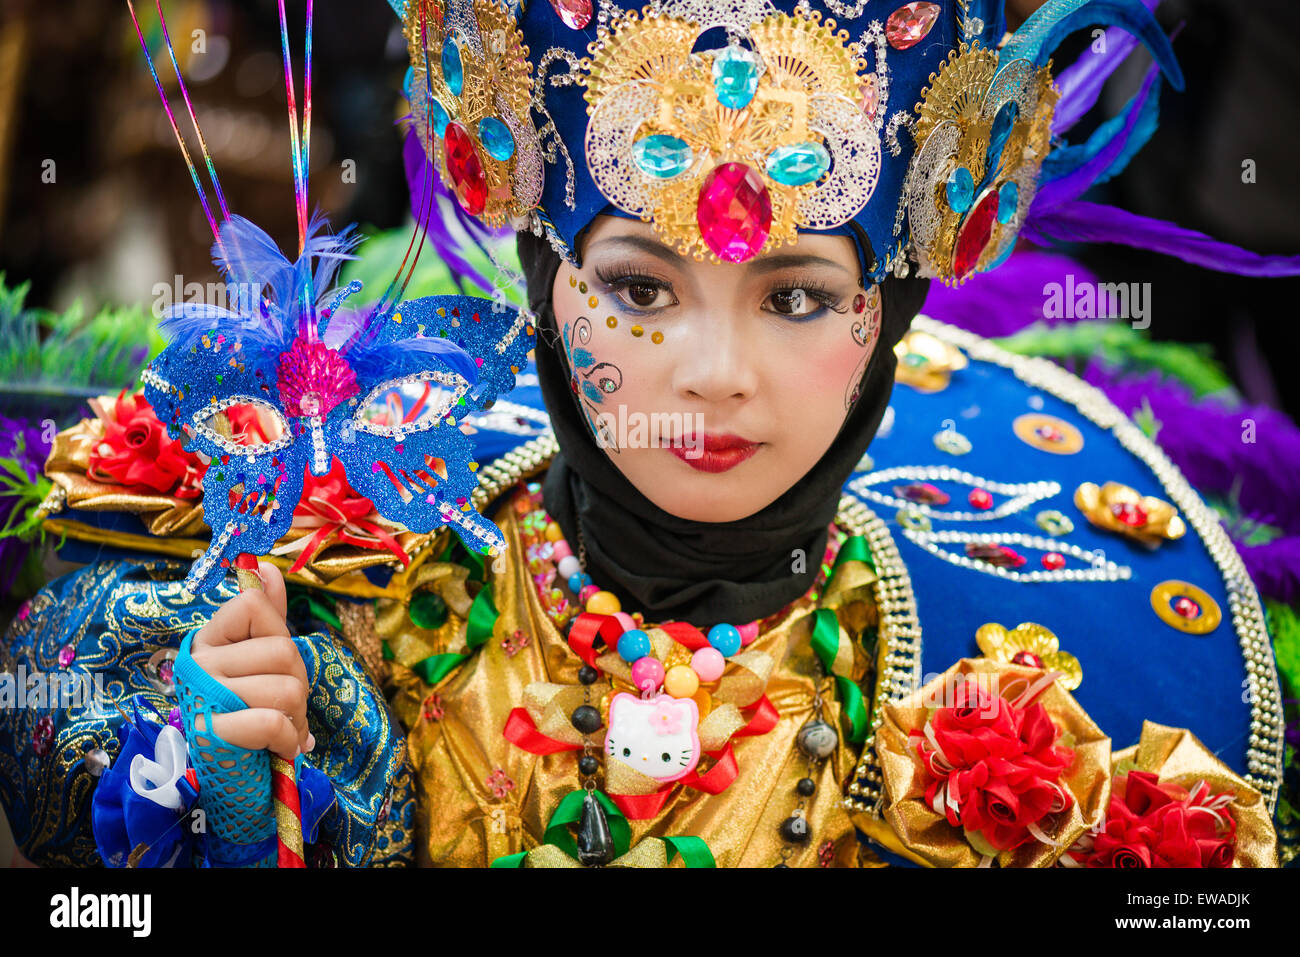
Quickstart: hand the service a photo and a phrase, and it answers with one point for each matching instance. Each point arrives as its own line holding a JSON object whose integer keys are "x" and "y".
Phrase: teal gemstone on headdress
{"x": 798, "y": 164}
{"x": 961, "y": 189}
{"x": 1008, "y": 201}
{"x": 998, "y": 135}
{"x": 662, "y": 156}
{"x": 407, "y": 80}
{"x": 453, "y": 71}
{"x": 496, "y": 138}
{"x": 735, "y": 76}
{"x": 438, "y": 117}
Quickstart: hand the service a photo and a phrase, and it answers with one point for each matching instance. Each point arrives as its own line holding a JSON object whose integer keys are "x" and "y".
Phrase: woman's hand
{"x": 247, "y": 648}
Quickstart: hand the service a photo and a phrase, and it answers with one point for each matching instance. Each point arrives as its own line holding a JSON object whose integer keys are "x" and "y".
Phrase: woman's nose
{"x": 716, "y": 363}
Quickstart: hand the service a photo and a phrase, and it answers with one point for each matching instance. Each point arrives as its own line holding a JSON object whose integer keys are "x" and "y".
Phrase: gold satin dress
{"x": 480, "y": 797}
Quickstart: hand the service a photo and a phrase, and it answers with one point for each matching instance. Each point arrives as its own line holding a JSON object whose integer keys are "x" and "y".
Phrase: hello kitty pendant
{"x": 659, "y": 737}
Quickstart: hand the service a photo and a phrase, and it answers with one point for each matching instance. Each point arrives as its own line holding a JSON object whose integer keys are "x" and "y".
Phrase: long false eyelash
{"x": 818, "y": 290}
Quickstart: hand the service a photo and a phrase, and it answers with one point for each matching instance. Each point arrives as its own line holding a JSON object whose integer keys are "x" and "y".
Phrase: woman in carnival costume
{"x": 698, "y": 622}
{"x": 706, "y": 644}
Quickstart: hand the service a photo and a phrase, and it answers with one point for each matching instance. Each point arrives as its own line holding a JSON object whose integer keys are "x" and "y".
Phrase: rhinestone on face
{"x": 798, "y": 164}
{"x": 662, "y": 156}
{"x": 735, "y": 76}
{"x": 453, "y": 71}
{"x": 908, "y": 25}
{"x": 496, "y": 138}
{"x": 734, "y": 212}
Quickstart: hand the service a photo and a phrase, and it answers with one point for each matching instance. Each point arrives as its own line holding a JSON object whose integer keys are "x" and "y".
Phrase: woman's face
{"x": 714, "y": 388}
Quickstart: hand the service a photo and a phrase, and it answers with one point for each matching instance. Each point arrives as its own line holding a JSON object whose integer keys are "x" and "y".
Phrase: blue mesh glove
{"x": 234, "y": 783}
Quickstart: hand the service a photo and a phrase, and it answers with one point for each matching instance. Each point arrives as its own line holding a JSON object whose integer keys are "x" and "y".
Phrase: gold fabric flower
{"x": 1118, "y": 508}
{"x": 1033, "y": 645}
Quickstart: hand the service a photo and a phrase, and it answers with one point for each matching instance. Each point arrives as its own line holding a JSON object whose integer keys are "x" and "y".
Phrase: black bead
{"x": 806, "y": 787}
{"x": 586, "y": 719}
{"x": 588, "y": 675}
{"x": 595, "y": 843}
{"x": 786, "y": 866}
{"x": 588, "y": 765}
{"x": 795, "y": 830}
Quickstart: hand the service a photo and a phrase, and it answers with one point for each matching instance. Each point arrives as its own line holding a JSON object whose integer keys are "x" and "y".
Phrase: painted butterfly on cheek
{"x": 322, "y": 378}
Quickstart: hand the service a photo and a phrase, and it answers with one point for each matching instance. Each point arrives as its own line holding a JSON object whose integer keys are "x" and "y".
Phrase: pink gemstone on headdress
{"x": 908, "y": 25}
{"x": 974, "y": 235}
{"x": 465, "y": 169}
{"x": 734, "y": 212}
{"x": 576, "y": 14}
{"x": 870, "y": 98}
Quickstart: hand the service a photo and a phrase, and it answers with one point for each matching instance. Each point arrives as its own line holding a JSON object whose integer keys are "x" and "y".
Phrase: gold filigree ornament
{"x": 1116, "y": 507}
{"x": 730, "y": 151}
{"x": 926, "y": 362}
{"x": 982, "y": 133}
{"x": 1031, "y": 645}
{"x": 470, "y": 87}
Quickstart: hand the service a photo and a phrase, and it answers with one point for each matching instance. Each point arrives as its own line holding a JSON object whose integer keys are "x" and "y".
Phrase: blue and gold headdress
{"x": 321, "y": 375}
{"x": 920, "y": 129}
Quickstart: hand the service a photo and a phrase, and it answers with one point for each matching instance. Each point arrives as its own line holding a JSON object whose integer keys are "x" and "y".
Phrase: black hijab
{"x": 669, "y": 568}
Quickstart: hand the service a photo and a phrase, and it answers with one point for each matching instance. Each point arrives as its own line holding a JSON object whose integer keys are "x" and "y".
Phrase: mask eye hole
{"x": 243, "y": 425}
{"x": 411, "y": 404}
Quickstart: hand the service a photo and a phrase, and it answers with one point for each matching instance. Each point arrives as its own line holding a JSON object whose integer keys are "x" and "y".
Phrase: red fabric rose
{"x": 995, "y": 766}
{"x": 1154, "y": 824}
{"x": 137, "y": 453}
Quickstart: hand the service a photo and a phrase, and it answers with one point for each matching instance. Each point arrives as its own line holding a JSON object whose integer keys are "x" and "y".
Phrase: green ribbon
{"x": 319, "y": 610}
{"x": 854, "y": 549}
{"x": 436, "y": 667}
{"x": 482, "y": 620}
{"x": 694, "y": 851}
{"x": 826, "y": 645}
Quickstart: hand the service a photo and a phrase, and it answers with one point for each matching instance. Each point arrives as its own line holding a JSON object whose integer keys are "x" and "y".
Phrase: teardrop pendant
{"x": 595, "y": 843}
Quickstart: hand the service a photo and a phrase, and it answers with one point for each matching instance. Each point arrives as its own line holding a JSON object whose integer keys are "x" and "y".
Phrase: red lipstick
{"x": 713, "y": 453}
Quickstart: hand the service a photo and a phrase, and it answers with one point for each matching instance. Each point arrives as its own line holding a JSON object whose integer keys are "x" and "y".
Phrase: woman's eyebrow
{"x": 779, "y": 261}
{"x": 642, "y": 244}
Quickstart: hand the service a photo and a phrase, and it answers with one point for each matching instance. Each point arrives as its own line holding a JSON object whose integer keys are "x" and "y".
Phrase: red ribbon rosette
{"x": 136, "y": 453}
{"x": 991, "y": 762}
{"x": 1174, "y": 804}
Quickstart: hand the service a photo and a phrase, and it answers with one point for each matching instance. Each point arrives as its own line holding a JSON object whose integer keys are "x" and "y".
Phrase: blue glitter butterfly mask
{"x": 319, "y": 377}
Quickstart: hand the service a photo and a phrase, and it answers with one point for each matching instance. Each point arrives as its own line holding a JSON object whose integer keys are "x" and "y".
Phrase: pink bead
{"x": 708, "y": 663}
{"x": 748, "y": 632}
{"x": 625, "y": 620}
{"x": 587, "y": 592}
{"x": 560, "y": 550}
{"x": 648, "y": 673}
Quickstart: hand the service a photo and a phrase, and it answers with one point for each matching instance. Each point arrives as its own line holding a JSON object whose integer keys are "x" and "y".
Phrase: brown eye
{"x": 642, "y": 294}
{"x": 791, "y": 302}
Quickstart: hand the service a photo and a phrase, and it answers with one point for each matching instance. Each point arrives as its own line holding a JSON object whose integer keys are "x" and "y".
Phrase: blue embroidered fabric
{"x": 119, "y": 626}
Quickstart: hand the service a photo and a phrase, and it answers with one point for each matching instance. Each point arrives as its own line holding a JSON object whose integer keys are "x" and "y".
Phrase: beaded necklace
{"x": 671, "y": 699}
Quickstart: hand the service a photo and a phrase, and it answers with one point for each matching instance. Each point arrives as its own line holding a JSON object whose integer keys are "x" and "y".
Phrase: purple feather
{"x": 1085, "y": 222}
{"x": 1005, "y": 300}
{"x": 1275, "y": 568}
{"x": 1080, "y": 84}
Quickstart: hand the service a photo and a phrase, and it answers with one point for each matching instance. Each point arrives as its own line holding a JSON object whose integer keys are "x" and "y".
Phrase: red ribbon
{"x": 587, "y": 628}
{"x": 522, "y": 732}
{"x": 342, "y": 514}
{"x": 686, "y": 634}
{"x": 762, "y": 721}
{"x": 641, "y": 807}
